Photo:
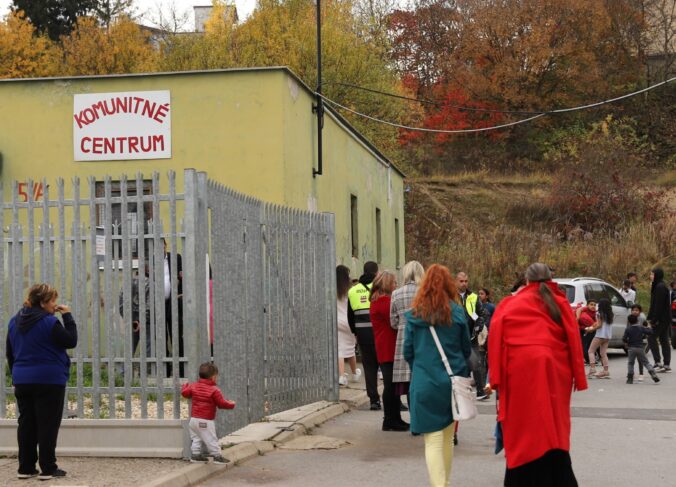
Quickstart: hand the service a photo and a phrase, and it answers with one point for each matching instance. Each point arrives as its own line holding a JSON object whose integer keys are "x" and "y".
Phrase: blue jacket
{"x": 36, "y": 347}
{"x": 430, "y": 389}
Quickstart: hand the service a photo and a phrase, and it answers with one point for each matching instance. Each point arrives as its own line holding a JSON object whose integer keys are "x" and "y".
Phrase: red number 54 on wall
{"x": 38, "y": 191}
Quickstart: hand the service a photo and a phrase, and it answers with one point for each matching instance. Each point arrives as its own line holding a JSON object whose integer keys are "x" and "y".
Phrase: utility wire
{"x": 437, "y": 131}
{"x": 432, "y": 103}
{"x": 496, "y": 127}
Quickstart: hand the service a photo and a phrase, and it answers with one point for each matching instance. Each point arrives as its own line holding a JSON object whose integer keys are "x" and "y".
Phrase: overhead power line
{"x": 501, "y": 126}
{"x": 431, "y": 102}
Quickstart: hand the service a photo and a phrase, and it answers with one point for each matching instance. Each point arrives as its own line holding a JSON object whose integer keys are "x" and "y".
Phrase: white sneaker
{"x": 356, "y": 376}
{"x": 342, "y": 380}
{"x": 639, "y": 378}
{"x": 380, "y": 374}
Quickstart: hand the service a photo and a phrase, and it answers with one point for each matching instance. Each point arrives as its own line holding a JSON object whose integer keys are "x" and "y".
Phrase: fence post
{"x": 194, "y": 283}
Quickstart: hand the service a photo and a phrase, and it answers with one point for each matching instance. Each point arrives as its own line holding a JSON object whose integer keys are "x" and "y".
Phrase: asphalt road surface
{"x": 623, "y": 435}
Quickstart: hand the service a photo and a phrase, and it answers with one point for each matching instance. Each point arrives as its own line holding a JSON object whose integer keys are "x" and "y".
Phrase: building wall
{"x": 252, "y": 130}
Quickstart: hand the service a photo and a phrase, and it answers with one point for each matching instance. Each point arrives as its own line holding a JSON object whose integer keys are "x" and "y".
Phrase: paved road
{"x": 622, "y": 436}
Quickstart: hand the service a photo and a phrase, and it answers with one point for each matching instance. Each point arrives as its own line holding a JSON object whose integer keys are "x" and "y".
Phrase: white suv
{"x": 579, "y": 290}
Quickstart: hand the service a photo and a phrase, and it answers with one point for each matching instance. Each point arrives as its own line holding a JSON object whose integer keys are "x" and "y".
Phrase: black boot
{"x": 630, "y": 378}
{"x": 654, "y": 376}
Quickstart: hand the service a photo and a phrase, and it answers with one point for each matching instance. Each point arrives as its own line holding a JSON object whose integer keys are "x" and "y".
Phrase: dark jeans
{"x": 476, "y": 365}
{"x": 40, "y": 410}
{"x": 391, "y": 402}
{"x": 370, "y": 362}
{"x": 169, "y": 336}
{"x": 637, "y": 353}
{"x": 661, "y": 334}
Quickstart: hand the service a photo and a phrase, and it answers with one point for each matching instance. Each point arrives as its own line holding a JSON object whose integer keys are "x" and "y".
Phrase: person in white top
{"x": 603, "y": 328}
{"x": 346, "y": 339}
{"x": 628, "y": 293}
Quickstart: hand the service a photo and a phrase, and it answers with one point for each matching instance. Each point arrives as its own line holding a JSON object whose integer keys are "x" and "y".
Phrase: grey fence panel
{"x": 268, "y": 282}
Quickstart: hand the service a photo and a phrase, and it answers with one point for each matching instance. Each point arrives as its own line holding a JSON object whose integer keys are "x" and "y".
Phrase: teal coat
{"x": 430, "y": 389}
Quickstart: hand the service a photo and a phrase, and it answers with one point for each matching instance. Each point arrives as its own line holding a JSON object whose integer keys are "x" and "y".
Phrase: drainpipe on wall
{"x": 319, "y": 107}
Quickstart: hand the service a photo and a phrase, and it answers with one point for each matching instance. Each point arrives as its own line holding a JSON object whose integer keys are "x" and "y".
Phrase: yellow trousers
{"x": 439, "y": 455}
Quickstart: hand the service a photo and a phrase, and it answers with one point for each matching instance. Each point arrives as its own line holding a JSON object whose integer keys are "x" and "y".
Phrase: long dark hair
{"x": 541, "y": 273}
{"x": 343, "y": 281}
{"x": 605, "y": 310}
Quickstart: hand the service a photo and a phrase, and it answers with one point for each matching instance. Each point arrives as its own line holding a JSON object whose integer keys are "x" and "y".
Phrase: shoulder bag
{"x": 463, "y": 399}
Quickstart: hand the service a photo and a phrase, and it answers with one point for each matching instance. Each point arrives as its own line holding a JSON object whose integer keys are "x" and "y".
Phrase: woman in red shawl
{"x": 536, "y": 362}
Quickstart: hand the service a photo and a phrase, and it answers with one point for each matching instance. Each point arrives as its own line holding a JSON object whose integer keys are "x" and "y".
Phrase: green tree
{"x": 54, "y": 17}
{"x": 282, "y": 32}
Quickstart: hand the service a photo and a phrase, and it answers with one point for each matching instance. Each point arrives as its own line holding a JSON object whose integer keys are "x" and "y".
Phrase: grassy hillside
{"x": 493, "y": 226}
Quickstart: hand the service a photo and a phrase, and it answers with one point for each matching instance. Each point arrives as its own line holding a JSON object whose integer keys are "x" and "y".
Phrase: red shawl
{"x": 535, "y": 363}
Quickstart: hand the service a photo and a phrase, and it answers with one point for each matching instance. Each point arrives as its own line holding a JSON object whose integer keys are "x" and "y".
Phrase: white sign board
{"x": 127, "y": 125}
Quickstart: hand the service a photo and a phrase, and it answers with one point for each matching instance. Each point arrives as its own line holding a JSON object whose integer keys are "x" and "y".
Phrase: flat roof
{"x": 342, "y": 120}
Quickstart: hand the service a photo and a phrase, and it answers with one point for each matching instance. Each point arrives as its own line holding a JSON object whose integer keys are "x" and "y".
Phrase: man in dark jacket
{"x": 359, "y": 318}
{"x": 476, "y": 319}
{"x": 659, "y": 316}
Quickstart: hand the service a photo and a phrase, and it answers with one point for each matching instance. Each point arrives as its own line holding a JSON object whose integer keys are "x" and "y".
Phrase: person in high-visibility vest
{"x": 475, "y": 322}
{"x": 359, "y": 319}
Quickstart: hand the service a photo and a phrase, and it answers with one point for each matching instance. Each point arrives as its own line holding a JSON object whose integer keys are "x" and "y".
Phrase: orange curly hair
{"x": 432, "y": 301}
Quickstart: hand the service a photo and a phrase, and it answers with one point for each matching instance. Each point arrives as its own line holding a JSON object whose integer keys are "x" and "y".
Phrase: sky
{"x": 148, "y": 7}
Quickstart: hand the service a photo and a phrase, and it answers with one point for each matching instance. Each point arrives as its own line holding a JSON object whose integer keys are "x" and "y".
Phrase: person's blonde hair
{"x": 40, "y": 293}
{"x": 384, "y": 284}
{"x": 413, "y": 271}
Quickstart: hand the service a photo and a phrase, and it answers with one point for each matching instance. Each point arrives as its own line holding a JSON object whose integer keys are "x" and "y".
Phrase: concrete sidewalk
{"x": 251, "y": 441}
{"x": 263, "y": 437}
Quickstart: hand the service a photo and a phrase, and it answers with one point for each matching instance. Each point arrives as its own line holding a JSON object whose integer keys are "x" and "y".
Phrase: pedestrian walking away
{"x": 437, "y": 304}
{"x": 386, "y": 338}
{"x": 401, "y": 302}
{"x": 347, "y": 342}
{"x": 358, "y": 316}
{"x": 205, "y": 397}
{"x": 536, "y": 363}
{"x": 36, "y": 353}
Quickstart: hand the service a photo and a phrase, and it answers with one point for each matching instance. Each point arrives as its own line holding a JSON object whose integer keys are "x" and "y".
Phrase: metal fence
{"x": 255, "y": 292}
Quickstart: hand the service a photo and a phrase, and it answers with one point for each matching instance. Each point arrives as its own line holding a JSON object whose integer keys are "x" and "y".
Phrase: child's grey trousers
{"x": 203, "y": 431}
{"x": 634, "y": 354}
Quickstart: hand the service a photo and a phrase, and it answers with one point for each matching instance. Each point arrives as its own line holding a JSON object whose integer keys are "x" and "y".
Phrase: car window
{"x": 616, "y": 298}
{"x": 595, "y": 292}
{"x": 569, "y": 290}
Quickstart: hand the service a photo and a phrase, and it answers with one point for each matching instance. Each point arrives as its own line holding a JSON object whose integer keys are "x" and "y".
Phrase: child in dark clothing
{"x": 633, "y": 337}
{"x": 206, "y": 397}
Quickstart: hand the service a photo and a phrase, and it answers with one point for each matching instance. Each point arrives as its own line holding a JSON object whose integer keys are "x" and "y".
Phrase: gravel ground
{"x": 95, "y": 472}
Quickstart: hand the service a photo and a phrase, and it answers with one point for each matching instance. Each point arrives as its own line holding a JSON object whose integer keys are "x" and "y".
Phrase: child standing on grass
{"x": 633, "y": 337}
{"x": 206, "y": 397}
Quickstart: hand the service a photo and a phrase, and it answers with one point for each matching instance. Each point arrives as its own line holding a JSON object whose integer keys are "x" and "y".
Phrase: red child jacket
{"x": 206, "y": 397}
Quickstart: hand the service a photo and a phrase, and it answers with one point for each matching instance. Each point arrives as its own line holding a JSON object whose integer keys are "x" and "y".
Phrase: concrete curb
{"x": 195, "y": 473}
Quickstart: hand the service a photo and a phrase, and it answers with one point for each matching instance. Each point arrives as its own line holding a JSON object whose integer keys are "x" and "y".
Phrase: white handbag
{"x": 463, "y": 398}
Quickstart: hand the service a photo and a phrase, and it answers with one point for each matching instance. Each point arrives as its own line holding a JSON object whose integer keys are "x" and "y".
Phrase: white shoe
{"x": 356, "y": 376}
{"x": 380, "y": 374}
{"x": 639, "y": 378}
{"x": 342, "y": 380}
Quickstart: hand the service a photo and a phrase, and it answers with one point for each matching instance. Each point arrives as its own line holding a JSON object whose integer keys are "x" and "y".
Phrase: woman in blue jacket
{"x": 436, "y": 304}
{"x": 36, "y": 353}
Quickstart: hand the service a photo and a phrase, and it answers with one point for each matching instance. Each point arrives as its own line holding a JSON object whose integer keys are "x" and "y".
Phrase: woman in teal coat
{"x": 436, "y": 304}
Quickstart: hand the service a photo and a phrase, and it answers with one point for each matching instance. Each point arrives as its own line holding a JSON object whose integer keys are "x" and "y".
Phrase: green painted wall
{"x": 252, "y": 130}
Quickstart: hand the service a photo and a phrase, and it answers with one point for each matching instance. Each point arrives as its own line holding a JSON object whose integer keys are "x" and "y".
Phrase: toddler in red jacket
{"x": 206, "y": 397}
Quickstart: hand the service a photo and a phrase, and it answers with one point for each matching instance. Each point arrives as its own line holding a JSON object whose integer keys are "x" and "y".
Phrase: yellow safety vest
{"x": 358, "y": 295}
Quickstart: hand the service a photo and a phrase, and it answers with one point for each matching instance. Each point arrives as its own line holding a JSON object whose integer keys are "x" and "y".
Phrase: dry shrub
{"x": 492, "y": 256}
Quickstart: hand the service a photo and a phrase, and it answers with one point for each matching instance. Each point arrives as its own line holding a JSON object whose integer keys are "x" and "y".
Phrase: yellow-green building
{"x": 253, "y": 130}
